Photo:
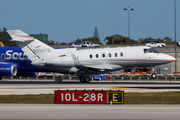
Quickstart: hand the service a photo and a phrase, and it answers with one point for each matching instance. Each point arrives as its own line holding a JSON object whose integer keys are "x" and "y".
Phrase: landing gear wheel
{"x": 87, "y": 79}
{"x": 154, "y": 75}
{"x": 82, "y": 79}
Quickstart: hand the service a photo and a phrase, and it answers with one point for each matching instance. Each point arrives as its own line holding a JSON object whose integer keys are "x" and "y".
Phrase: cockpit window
{"x": 150, "y": 50}
{"x": 154, "y": 51}
{"x": 145, "y": 51}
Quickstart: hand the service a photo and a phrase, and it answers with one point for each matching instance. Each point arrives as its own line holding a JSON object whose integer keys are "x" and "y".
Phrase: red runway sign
{"x": 80, "y": 97}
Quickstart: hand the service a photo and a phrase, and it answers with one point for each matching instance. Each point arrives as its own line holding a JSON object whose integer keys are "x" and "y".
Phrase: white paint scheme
{"x": 72, "y": 61}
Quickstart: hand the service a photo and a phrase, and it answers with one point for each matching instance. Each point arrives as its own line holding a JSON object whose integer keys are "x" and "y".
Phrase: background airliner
{"x": 13, "y": 62}
{"x": 88, "y": 61}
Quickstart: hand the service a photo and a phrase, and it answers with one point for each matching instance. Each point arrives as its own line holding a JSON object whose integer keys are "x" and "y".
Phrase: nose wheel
{"x": 154, "y": 75}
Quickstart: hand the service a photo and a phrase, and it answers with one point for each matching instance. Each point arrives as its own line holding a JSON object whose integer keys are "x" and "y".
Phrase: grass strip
{"x": 28, "y": 99}
{"x": 130, "y": 98}
{"x": 152, "y": 98}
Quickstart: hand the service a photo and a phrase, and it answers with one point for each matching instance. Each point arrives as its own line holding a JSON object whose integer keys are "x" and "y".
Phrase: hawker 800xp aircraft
{"x": 88, "y": 61}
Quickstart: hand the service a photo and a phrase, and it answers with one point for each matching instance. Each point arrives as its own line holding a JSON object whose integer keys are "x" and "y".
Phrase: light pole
{"x": 129, "y": 9}
{"x": 175, "y": 37}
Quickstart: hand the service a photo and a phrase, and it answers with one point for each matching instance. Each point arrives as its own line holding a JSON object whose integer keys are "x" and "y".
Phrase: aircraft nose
{"x": 170, "y": 58}
{"x": 173, "y": 59}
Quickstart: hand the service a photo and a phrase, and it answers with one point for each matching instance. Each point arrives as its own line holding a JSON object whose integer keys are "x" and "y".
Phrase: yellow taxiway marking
{"x": 9, "y": 91}
{"x": 125, "y": 89}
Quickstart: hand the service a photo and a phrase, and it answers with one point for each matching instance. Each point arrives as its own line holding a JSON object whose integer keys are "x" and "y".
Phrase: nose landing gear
{"x": 154, "y": 75}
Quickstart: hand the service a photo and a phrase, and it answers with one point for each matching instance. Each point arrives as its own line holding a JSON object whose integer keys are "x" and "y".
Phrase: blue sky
{"x": 67, "y": 20}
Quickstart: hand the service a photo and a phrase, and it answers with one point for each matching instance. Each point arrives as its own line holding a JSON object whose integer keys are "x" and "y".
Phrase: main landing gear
{"x": 84, "y": 79}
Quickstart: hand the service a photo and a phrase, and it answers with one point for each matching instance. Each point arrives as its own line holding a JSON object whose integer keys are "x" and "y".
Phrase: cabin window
{"x": 115, "y": 54}
{"x": 109, "y": 54}
{"x": 90, "y": 56}
{"x": 121, "y": 54}
{"x": 97, "y": 55}
{"x": 103, "y": 55}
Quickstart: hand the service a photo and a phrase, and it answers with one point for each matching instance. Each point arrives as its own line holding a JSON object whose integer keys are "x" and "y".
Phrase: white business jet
{"x": 87, "y": 61}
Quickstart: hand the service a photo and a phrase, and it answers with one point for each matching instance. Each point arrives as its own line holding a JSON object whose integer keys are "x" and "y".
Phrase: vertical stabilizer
{"x": 32, "y": 47}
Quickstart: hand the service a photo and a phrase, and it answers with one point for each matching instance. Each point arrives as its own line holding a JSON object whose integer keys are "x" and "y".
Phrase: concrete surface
{"x": 48, "y": 87}
{"x": 58, "y": 111}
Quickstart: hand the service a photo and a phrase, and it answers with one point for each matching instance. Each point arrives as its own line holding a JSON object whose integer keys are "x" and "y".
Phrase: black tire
{"x": 87, "y": 79}
{"x": 0, "y": 78}
{"x": 154, "y": 75}
{"x": 81, "y": 79}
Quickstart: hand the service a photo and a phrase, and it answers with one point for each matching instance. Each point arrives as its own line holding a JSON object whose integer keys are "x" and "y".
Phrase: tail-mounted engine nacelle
{"x": 8, "y": 70}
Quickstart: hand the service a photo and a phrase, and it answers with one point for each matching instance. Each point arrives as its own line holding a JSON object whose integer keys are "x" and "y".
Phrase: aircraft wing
{"x": 100, "y": 66}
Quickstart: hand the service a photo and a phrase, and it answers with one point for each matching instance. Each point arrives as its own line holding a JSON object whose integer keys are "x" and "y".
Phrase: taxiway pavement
{"x": 48, "y": 87}
{"x": 51, "y": 111}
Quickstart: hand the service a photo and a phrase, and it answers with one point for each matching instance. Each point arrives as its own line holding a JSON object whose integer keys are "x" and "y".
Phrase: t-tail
{"x": 33, "y": 48}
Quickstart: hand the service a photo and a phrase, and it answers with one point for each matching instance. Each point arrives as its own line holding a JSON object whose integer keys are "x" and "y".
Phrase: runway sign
{"x": 80, "y": 97}
{"x": 88, "y": 97}
{"x": 115, "y": 97}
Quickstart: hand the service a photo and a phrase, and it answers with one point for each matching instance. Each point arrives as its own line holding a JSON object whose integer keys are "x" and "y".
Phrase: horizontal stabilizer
{"x": 18, "y": 35}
